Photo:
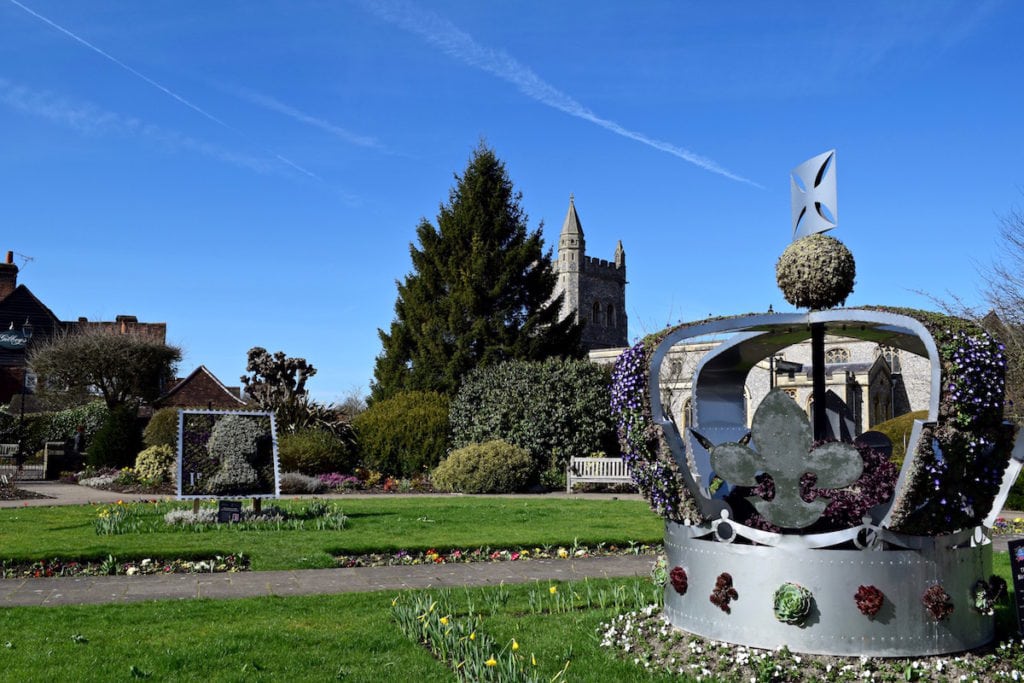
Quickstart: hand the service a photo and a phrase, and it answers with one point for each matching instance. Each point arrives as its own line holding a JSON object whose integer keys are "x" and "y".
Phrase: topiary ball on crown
{"x": 816, "y": 272}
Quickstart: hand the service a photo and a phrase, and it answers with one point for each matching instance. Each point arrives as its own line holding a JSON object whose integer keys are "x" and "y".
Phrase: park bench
{"x": 596, "y": 470}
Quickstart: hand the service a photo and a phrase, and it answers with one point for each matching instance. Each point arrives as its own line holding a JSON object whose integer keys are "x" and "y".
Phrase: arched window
{"x": 837, "y": 355}
{"x": 611, "y": 316}
{"x": 597, "y": 317}
{"x": 891, "y": 354}
{"x": 687, "y": 414}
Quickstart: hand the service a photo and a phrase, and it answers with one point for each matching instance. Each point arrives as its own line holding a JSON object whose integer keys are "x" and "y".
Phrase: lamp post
{"x": 26, "y": 332}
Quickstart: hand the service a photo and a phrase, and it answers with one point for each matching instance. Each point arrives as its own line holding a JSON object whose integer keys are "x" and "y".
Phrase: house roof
{"x": 203, "y": 380}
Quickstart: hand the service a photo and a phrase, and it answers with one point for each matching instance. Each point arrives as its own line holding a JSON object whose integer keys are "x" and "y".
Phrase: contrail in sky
{"x": 92, "y": 120}
{"x": 156, "y": 85}
{"x": 458, "y": 44}
{"x": 275, "y": 105}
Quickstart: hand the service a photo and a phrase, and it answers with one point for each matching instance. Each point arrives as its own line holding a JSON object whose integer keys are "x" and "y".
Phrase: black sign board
{"x": 1016, "y": 549}
{"x": 229, "y": 511}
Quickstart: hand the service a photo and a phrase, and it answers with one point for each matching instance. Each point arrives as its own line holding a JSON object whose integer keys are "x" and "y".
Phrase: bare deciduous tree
{"x": 121, "y": 367}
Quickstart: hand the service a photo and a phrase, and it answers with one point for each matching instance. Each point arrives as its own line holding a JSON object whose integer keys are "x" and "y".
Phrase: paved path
{"x": 94, "y": 590}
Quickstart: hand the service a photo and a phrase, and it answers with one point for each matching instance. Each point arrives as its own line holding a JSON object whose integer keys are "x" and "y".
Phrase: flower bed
{"x": 460, "y": 556}
{"x": 111, "y": 566}
{"x": 647, "y": 639}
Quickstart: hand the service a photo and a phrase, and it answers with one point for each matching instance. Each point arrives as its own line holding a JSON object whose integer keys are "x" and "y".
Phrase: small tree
{"x": 404, "y": 435}
{"x": 122, "y": 368}
{"x": 277, "y": 383}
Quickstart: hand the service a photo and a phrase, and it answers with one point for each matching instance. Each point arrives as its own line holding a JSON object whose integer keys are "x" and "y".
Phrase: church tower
{"x": 594, "y": 290}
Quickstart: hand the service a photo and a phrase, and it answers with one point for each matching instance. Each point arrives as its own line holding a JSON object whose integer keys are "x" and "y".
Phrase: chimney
{"x": 8, "y": 276}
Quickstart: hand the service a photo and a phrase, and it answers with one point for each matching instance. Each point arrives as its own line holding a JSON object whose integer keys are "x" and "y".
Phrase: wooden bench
{"x": 596, "y": 470}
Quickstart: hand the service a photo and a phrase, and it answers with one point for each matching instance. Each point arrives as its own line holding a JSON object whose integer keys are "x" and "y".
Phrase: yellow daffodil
{"x": 492, "y": 661}
{"x": 515, "y": 645}
{"x": 563, "y": 553}
{"x": 533, "y": 659}
{"x": 472, "y": 636}
{"x": 553, "y": 590}
{"x": 444, "y": 621}
{"x": 394, "y": 602}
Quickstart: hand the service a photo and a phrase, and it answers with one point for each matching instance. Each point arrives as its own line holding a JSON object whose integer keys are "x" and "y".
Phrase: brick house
{"x": 201, "y": 389}
{"x": 25, "y": 321}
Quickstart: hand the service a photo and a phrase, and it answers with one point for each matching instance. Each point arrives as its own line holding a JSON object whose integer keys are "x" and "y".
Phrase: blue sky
{"x": 252, "y": 173}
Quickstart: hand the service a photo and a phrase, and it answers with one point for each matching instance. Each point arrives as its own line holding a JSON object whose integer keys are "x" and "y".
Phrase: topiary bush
{"x": 816, "y": 272}
{"x": 555, "y": 409}
{"x": 117, "y": 442}
{"x": 314, "y": 451}
{"x": 492, "y": 467}
{"x": 235, "y": 441}
{"x": 157, "y": 464}
{"x": 404, "y": 435}
{"x": 162, "y": 429}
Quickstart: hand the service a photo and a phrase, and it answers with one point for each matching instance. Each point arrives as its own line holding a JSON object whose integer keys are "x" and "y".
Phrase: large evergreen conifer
{"x": 480, "y": 291}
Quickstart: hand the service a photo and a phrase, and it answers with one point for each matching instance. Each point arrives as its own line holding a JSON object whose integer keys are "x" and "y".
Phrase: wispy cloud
{"x": 89, "y": 119}
{"x": 279, "y": 107}
{"x": 162, "y": 88}
{"x": 461, "y": 46}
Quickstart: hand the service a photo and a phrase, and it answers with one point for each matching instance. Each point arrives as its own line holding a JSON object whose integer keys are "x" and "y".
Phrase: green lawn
{"x": 339, "y": 637}
{"x": 375, "y": 524}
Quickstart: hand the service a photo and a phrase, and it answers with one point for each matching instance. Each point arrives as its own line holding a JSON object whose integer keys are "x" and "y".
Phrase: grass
{"x": 350, "y": 637}
{"x": 340, "y": 637}
{"x": 374, "y": 524}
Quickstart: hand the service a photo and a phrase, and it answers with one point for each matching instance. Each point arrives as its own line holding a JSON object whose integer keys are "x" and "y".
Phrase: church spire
{"x": 572, "y": 230}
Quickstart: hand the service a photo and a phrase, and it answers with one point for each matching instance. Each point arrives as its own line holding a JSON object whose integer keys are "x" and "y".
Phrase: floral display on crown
{"x": 942, "y": 491}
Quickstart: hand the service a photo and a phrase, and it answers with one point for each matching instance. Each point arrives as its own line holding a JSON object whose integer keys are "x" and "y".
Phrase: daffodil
{"x": 444, "y": 621}
{"x": 492, "y": 661}
{"x": 553, "y": 590}
{"x": 472, "y": 636}
{"x": 533, "y": 659}
{"x": 515, "y": 645}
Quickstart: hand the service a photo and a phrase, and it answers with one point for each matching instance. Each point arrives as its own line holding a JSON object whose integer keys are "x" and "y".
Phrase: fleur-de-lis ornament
{"x": 782, "y": 433}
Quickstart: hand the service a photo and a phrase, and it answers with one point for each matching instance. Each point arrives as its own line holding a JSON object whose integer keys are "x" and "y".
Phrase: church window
{"x": 890, "y": 354}
{"x": 687, "y": 414}
{"x": 837, "y": 355}
{"x": 597, "y": 313}
{"x": 611, "y": 316}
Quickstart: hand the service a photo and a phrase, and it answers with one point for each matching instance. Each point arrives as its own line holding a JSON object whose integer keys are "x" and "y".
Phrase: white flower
{"x": 132, "y": 571}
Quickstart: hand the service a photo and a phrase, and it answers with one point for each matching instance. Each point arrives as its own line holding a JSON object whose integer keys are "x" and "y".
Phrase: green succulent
{"x": 792, "y": 603}
{"x": 816, "y": 272}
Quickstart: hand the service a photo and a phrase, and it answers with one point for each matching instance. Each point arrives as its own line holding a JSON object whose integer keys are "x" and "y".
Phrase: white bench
{"x": 596, "y": 470}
